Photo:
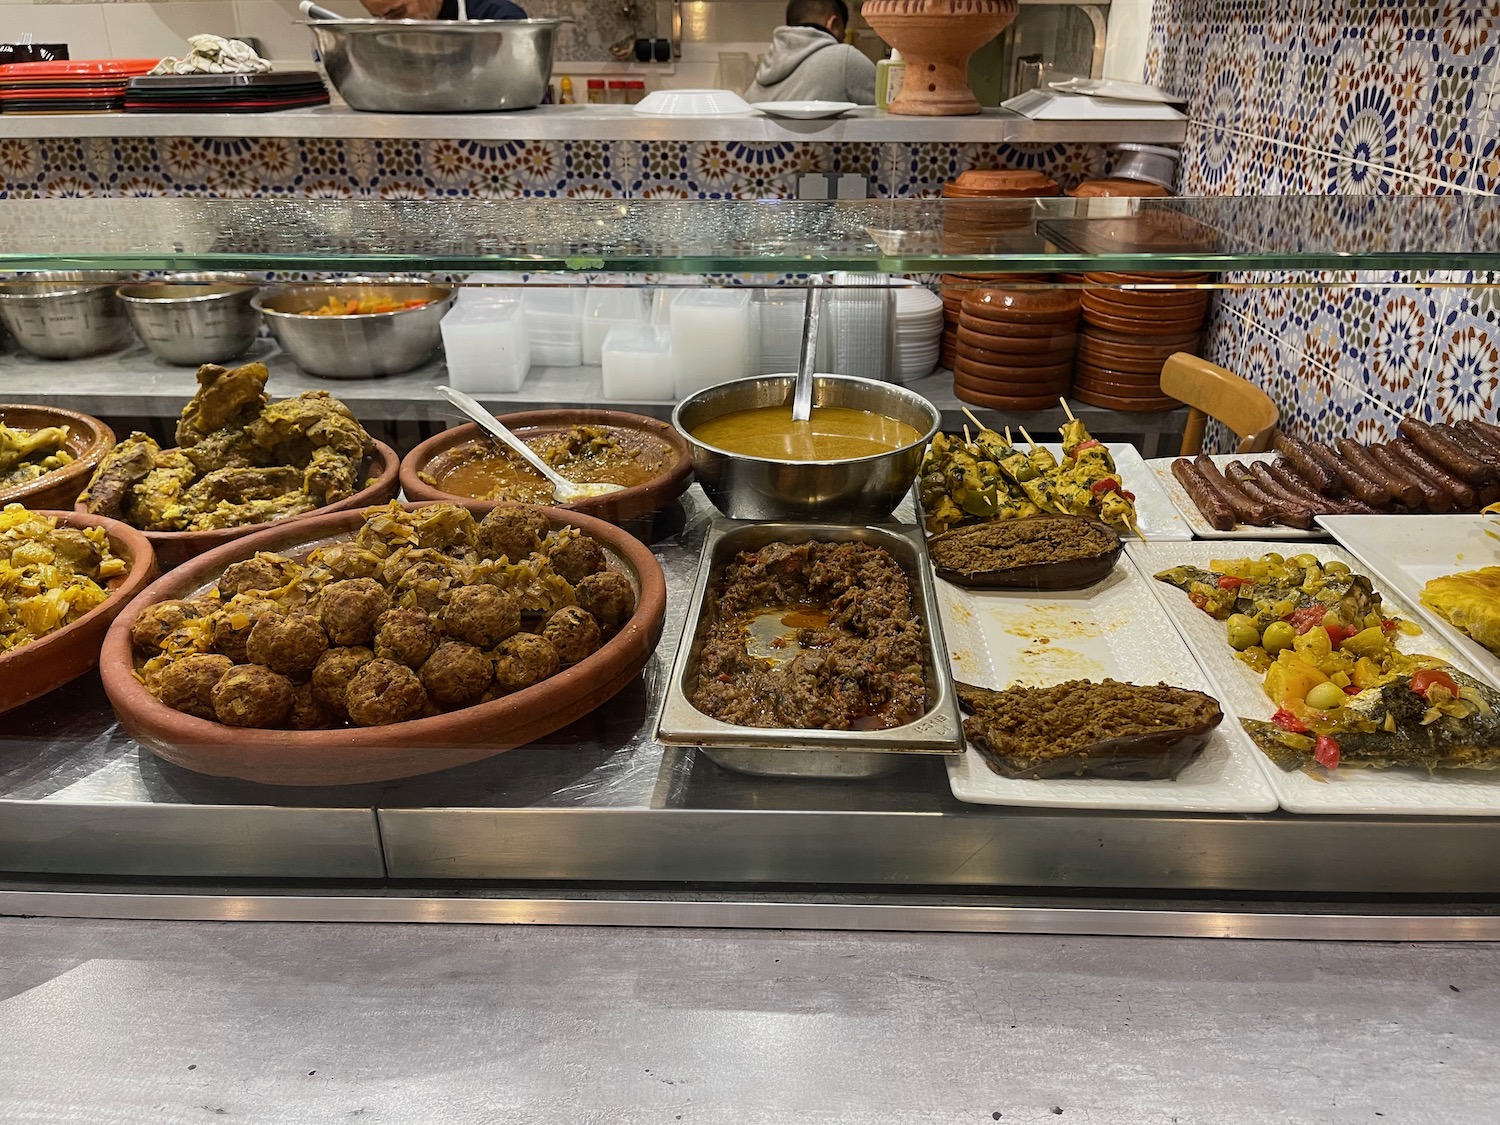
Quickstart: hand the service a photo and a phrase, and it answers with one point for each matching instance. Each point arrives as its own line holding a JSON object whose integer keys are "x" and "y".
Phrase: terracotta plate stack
{"x": 1015, "y": 347}
{"x": 1118, "y": 188}
{"x": 1129, "y": 332}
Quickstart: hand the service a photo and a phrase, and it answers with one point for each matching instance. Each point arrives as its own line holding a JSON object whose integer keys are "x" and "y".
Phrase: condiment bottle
{"x": 567, "y": 91}
{"x": 596, "y": 91}
{"x": 635, "y": 92}
{"x": 617, "y": 93}
{"x": 889, "y": 75}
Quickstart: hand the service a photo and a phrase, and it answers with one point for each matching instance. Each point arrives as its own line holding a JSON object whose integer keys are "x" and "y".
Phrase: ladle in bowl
{"x": 563, "y": 490}
{"x": 802, "y": 388}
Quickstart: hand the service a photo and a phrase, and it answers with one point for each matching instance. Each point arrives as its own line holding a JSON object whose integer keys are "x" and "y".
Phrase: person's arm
{"x": 859, "y": 76}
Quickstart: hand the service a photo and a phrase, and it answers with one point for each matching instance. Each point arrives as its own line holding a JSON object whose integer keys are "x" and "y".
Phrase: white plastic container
{"x": 554, "y": 321}
{"x": 486, "y": 345}
{"x": 710, "y": 339}
{"x": 603, "y": 309}
{"x": 638, "y": 363}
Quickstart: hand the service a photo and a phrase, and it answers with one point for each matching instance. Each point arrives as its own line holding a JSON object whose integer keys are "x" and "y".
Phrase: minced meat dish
{"x": 1006, "y": 544}
{"x": 860, "y": 664}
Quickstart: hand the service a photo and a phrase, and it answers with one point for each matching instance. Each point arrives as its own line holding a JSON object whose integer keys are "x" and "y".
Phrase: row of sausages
{"x": 1427, "y": 468}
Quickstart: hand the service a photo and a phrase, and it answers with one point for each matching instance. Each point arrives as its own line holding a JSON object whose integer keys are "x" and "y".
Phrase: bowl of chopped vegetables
{"x": 356, "y": 330}
{"x": 47, "y": 454}
{"x": 64, "y": 578}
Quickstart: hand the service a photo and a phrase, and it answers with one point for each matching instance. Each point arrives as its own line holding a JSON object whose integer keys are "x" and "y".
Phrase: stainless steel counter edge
{"x": 847, "y": 913}
{"x": 595, "y": 123}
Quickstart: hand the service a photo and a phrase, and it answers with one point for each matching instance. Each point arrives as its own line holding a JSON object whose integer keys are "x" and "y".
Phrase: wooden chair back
{"x": 1212, "y": 392}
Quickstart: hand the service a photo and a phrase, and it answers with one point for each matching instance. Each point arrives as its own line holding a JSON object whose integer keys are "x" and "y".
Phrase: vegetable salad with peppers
{"x": 1328, "y": 652}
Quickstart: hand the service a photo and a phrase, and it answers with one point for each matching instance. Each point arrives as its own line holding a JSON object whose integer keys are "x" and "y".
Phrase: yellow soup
{"x": 834, "y": 433}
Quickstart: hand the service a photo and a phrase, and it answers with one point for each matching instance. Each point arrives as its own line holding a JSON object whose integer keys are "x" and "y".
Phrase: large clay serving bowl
{"x": 173, "y": 548}
{"x": 1022, "y": 306}
{"x": 356, "y": 755}
{"x": 439, "y": 454}
{"x": 936, "y": 38}
{"x": 88, "y": 441}
{"x": 65, "y": 654}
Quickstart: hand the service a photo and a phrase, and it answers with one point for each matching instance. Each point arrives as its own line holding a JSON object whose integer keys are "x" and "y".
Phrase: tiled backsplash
{"x": 1296, "y": 97}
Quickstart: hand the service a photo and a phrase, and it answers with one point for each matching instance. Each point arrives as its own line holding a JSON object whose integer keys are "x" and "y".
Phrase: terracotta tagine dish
{"x": 937, "y": 37}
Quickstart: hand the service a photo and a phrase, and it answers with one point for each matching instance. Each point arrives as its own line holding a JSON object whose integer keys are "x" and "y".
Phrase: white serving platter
{"x": 804, "y": 111}
{"x": 1390, "y": 792}
{"x": 1113, "y": 629}
{"x": 1403, "y": 553}
{"x": 1161, "y": 470}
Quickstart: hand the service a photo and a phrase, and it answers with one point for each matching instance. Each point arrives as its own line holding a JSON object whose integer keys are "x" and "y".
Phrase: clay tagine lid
{"x": 1020, "y": 182}
{"x": 1112, "y": 188}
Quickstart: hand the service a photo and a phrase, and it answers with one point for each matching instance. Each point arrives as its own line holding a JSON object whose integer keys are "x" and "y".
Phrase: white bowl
{"x": 693, "y": 103}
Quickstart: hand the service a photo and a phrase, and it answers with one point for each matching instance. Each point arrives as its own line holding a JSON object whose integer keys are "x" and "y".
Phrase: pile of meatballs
{"x": 422, "y": 612}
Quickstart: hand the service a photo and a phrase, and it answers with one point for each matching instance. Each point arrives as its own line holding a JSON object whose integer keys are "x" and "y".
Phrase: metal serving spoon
{"x": 563, "y": 489}
{"x": 802, "y": 388}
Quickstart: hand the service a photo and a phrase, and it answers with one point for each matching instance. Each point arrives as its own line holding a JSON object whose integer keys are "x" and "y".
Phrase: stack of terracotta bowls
{"x": 998, "y": 206}
{"x": 1129, "y": 332}
{"x": 1117, "y": 188}
{"x": 1015, "y": 347}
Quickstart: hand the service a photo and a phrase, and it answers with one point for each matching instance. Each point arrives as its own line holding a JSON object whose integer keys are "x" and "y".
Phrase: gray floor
{"x": 191, "y": 1022}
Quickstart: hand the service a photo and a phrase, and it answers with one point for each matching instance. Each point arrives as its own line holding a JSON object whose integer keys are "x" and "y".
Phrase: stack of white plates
{"x": 919, "y": 333}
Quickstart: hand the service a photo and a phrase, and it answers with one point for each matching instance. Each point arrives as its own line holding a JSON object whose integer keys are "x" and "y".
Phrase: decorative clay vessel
{"x": 936, "y": 38}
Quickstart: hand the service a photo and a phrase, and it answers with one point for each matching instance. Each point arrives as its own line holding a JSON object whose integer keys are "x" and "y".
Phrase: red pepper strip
{"x": 1388, "y": 625}
{"x": 1082, "y": 445}
{"x": 1105, "y": 484}
{"x": 1352, "y": 690}
{"x": 1288, "y": 721}
{"x": 1230, "y": 582}
{"x": 1425, "y": 681}
{"x": 1326, "y": 752}
{"x": 1338, "y": 634}
{"x": 1305, "y": 618}
{"x": 1128, "y": 495}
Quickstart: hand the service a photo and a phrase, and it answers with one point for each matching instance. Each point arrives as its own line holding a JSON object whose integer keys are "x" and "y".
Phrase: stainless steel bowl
{"x": 437, "y": 66}
{"x": 201, "y": 318}
{"x": 65, "y": 314}
{"x": 361, "y": 345}
{"x": 753, "y": 488}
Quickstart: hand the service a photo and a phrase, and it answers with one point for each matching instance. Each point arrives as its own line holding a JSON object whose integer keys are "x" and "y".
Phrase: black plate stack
{"x": 224, "y": 93}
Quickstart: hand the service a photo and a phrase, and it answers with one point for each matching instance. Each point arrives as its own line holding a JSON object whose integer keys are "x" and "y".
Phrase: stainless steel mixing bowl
{"x": 437, "y": 66}
{"x": 753, "y": 488}
{"x": 360, "y": 345}
{"x": 201, "y": 318}
{"x": 65, "y": 314}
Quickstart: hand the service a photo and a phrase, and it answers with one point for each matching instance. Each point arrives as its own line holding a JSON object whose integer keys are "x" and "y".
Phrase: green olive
{"x": 1273, "y": 558}
{"x": 1242, "y": 633}
{"x": 1278, "y": 635}
{"x": 1305, "y": 561}
{"x": 1335, "y": 567}
{"x": 1325, "y": 697}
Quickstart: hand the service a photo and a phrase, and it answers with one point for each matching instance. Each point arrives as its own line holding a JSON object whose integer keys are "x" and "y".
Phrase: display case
{"x": 599, "y": 821}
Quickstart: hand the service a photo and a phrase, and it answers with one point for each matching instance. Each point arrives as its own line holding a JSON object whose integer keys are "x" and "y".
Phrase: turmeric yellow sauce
{"x": 834, "y": 433}
{"x": 583, "y": 454}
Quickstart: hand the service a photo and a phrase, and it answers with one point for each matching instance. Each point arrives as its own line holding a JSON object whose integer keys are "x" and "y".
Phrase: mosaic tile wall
{"x": 1305, "y": 97}
{"x": 409, "y": 169}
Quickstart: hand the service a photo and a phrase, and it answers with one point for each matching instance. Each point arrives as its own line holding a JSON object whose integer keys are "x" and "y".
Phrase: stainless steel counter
{"x": 595, "y": 123}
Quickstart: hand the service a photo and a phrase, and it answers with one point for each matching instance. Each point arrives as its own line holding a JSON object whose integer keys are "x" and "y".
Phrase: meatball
{"x": 350, "y": 609}
{"x": 406, "y": 636}
{"x": 608, "y": 596}
{"x": 263, "y": 572}
{"x": 288, "y": 643}
{"x": 309, "y": 712}
{"x": 233, "y": 623}
{"x": 523, "y": 660}
{"x": 512, "y": 530}
{"x": 154, "y": 624}
{"x": 385, "y": 692}
{"x": 456, "y": 673}
{"x": 251, "y": 695}
{"x": 481, "y": 615}
{"x": 574, "y": 634}
{"x": 188, "y": 684}
{"x": 576, "y": 556}
{"x": 334, "y": 670}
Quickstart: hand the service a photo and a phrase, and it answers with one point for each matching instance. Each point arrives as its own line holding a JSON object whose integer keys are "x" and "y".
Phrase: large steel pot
{"x": 194, "y": 319}
{"x": 437, "y": 66}
{"x": 754, "y": 488}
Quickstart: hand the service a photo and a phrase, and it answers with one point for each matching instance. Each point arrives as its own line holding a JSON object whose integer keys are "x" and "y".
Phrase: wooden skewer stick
{"x": 1007, "y": 436}
{"x": 969, "y": 414}
{"x": 967, "y": 439}
{"x": 1066, "y": 411}
{"x": 1029, "y": 439}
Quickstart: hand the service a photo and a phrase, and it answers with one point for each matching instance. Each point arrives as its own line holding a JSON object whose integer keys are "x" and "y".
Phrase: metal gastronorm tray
{"x": 940, "y": 731}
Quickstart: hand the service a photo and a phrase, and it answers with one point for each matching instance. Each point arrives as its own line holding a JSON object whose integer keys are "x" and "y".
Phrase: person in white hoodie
{"x": 809, "y": 60}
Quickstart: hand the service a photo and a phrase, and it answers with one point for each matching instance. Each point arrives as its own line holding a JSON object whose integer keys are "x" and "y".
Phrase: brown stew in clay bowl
{"x": 1050, "y": 552}
{"x": 647, "y": 456}
{"x": 398, "y": 641}
{"x": 1126, "y": 732}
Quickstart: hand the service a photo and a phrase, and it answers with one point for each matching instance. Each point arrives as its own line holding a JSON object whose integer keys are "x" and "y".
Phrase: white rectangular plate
{"x": 1403, "y": 553}
{"x": 1391, "y": 792}
{"x": 1161, "y": 472}
{"x": 1114, "y": 629}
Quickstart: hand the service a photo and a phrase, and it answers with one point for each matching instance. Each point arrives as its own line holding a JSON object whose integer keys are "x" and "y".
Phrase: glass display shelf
{"x": 1245, "y": 233}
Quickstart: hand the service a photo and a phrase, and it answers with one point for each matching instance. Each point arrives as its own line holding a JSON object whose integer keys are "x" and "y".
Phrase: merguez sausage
{"x": 1245, "y": 509}
{"x": 1361, "y": 461}
{"x": 1213, "y": 509}
{"x": 1445, "y": 451}
{"x": 1300, "y": 457}
{"x": 1488, "y": 429}
{"x": 1475, "y": 445}
{"x": 1435, "y": 499}
{"x": 1284, "y": 496}
{"x": 1325, "y": 457}
{"x": 1372, "y": 492}
{"x": 1424, "y": 466}
{"x": 1287, "y": 477}
{"x": 1292, "y": 515}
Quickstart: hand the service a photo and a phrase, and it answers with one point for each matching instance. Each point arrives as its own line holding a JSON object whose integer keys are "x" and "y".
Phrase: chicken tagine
{"x": 240, "y": 459}
{"x": 50, "y": 576}
{"x": 421, "y": 612}
{"x": 26, "y": 455}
